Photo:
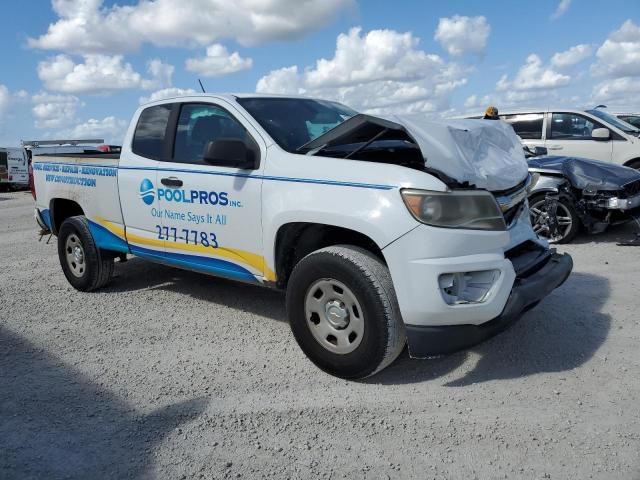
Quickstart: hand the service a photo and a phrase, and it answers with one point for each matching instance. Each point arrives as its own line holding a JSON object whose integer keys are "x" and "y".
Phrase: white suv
{"x": 578, "y": 133}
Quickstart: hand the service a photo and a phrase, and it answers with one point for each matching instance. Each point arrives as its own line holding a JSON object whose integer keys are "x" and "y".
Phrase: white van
{"x": 14, "y": 170}
{"x": 593, "y": 134}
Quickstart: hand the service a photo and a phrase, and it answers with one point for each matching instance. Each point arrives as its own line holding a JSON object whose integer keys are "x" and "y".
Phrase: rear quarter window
{"x": 527, "y": 126}
{"x": 148, "y": 139}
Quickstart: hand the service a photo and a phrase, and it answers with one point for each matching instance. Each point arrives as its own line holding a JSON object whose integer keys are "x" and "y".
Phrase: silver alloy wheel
{"x": 540, "y": 220}
{"x": 334, "y": 316}
{"x": 75, "y": 255}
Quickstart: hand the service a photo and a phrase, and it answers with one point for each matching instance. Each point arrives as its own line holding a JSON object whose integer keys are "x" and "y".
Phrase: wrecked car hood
{"x": 485, "y": 153}
{"x": 583, "y": 173}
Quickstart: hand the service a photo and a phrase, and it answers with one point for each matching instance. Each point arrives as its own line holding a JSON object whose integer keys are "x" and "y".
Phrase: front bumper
{"x": 531, "y": 286}
{"x": 616, "y": 203}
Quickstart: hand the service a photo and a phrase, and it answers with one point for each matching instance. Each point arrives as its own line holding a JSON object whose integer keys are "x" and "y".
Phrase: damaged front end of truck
{"x": 458, "y": 282}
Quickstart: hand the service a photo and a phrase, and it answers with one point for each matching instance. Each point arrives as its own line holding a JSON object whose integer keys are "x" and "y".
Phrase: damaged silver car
{"x": 569, "y": 193}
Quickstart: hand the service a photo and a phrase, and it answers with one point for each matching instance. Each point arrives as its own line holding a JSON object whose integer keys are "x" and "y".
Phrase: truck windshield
{"x": 293, "y": 122}
{"x": 615, "y": 121}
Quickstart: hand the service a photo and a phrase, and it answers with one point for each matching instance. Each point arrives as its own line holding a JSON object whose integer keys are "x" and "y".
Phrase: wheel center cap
{"x": 336, "y": 314}
{"x": 78, "y": 255}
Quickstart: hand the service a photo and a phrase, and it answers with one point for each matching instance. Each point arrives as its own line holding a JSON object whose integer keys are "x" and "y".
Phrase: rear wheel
{"x": 84, "y": 265}
{"x": 344, "y": 313}
{"x": 566, "y": 216}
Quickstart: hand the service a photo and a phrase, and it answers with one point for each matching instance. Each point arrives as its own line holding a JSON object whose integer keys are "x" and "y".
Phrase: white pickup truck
{"x": 382, "y": 231}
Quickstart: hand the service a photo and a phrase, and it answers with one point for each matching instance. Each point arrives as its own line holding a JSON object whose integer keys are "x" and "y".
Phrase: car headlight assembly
{"x": 467, "y": 209}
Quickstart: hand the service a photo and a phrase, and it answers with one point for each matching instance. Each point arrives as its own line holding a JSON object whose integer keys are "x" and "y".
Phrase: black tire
{"x": 369, "y": 280}
{"x": 567, "y": 203}
{"x": 95, "y": 268}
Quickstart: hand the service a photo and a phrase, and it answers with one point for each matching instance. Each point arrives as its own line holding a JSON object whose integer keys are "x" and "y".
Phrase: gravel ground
{"x": 171, "y": 374}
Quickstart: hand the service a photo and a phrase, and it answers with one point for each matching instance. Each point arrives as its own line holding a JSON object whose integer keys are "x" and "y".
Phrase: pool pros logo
{"x": 148, "y": 195}
{"x": 147, "y": 191}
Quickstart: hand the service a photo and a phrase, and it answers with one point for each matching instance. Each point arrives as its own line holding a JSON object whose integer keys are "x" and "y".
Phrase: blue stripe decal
{"x": 242, "y": 175}
{"x": 199, "y": 264}
{"x": 45, "y": 215}
{"x": 106, "y": 240}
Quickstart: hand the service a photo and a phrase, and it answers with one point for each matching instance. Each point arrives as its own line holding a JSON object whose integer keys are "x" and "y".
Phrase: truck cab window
{"x": 200, "y": 124}
{"x": 148, "y": 139}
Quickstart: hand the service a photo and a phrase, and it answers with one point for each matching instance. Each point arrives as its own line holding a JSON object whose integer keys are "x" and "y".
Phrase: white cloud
{"x": 380, "y": 71}
{"x": 282, "y": 81}
{"x": 21, "y": 95}
{"x": 167, "y": 93}
{"x": 622, "y": 91}
{"x": 572, "y": 56}
{"x": 533, "y": 75}
{"x": 561, "y": 9}
{"x": 9, "y": 100}
{"x": 218, "y": 62}
{"x": 459, "y": 35}
{"x": 112, "y": 129}
{"x": 471, "y": 101}
{"x": 377, "y": 55}
{"x": 54, "y": 111}
{"x": 5, "y": 98}
{"x": 160, "y": 75}
{"x": 87, "y": 26}
{"x": 619, "y": 55}
{"x": 100, "y": 74}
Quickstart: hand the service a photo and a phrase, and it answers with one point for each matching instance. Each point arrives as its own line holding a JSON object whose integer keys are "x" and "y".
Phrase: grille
{"x": 513, "y": 213}
{"x": 512, "y": 201}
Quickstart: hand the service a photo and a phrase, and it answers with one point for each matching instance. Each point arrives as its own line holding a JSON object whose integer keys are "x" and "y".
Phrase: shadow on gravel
{"x": 561, "y": 333}
{"x": 56, "y": 423}
{"x": 137, "y": 274}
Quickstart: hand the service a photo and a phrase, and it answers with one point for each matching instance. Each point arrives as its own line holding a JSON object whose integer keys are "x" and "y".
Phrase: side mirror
{"x": 540, "y": 151}
{"x": 602, "y": 134}
{"x": 230, "y": 152}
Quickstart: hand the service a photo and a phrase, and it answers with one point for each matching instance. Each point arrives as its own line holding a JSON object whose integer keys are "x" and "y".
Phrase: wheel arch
{"x": 295, "y": 240}
{"x": 60, "y": 209}
{"x": 633, "y": 163}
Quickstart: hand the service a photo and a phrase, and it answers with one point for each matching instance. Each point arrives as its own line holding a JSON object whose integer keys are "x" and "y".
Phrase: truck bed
{"x": 89, "y": 180}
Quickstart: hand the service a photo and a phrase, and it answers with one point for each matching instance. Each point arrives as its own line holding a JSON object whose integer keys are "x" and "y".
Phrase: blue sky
{"x": 81, "y": 67}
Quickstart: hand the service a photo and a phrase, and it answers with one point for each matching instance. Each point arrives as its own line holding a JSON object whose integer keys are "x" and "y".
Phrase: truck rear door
{"x": 138, "y": 185}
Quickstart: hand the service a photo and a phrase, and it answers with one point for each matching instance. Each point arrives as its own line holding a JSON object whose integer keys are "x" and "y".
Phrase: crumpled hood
{"x": 583, "y": 173}
{"x": 485, "y": 153}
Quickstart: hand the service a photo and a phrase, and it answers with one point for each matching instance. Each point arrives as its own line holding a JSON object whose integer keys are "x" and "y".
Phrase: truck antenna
{"x": 203, "y": 90}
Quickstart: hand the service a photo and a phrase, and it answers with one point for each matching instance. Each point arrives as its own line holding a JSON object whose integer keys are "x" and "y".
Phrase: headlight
{"x": 469, "y": 209}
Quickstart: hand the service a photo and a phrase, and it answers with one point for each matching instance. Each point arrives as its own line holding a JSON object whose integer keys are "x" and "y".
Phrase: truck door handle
{"x": 554, "y": 147}
{"x": 171, "y": 182}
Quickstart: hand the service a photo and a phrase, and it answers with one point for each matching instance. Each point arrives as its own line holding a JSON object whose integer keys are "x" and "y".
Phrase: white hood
{"x": 486, "y": 153}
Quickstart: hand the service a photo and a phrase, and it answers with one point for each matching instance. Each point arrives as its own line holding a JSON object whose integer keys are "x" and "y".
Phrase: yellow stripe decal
{"x": 253, "y": 260}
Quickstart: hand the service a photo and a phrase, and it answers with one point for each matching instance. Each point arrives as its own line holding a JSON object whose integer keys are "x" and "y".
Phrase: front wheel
{"x": 343, "y": 311}
{"x": 542, "y": 218}
{"x": 84, "y": 265}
